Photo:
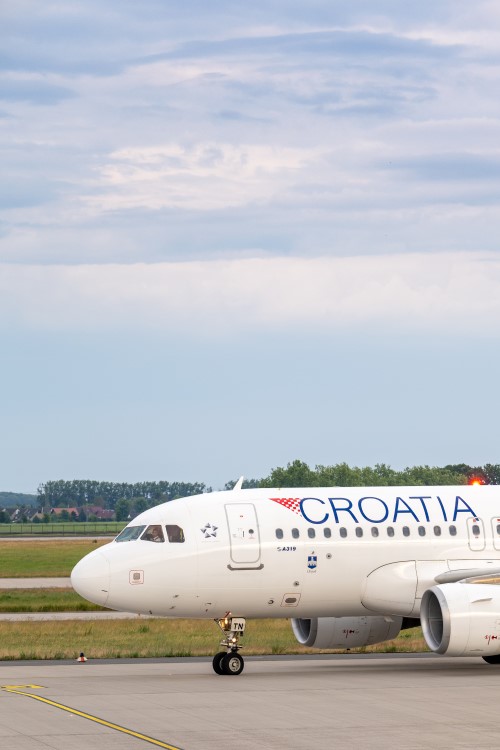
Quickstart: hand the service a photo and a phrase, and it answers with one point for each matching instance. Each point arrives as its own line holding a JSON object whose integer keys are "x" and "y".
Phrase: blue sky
{"x": 234, "y": 236}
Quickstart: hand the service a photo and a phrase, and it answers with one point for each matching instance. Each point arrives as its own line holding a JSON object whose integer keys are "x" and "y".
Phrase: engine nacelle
{"x": 462, "y": 619}
{"x": 345, "y": 632}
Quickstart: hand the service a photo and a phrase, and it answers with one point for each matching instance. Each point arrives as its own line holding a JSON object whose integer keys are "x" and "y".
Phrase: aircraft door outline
{"x": 244, "y": 536}
{"x": 475, "y": 530}
{"x": 495, "y": 528}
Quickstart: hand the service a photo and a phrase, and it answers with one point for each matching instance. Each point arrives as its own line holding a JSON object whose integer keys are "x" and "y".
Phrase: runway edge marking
{"x": 109, "y": 724}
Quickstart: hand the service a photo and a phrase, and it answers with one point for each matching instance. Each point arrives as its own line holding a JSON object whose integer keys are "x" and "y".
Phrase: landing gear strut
{"x": 230, "y": 661}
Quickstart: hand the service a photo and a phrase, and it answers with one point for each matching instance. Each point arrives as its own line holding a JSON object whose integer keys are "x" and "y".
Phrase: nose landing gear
{"x": 230, "y": 661}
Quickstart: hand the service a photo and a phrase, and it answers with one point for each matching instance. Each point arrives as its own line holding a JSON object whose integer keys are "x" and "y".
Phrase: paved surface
{"x": 35, "y": 583}
{"x": 48, "y": 616}
{"x": 338, "y": 702}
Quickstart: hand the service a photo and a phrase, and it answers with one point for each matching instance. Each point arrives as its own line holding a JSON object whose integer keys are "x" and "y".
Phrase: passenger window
{"x": 343, "y": 532}
{"x": 130, "y": 534}
{"x": 476, "y": 530}
{"x": 406, "y": 531}
{"x": 175, "y": 534}
{"x": 295, "y": 533}
{"x": 498, "y": 529}
{"x": 437, "y": 530}
{"x": 390, "y": 531}
{"x": 453, "y": 530}
{"x": 359, "y": 531}
{"x": 153, "y": 533}
{"x": 327, "y": 532}
{"x": 279, "y": 533}
{"x": 421, "y": 530}
{"x": 311, "y": 533}
{"x": 374, "y": 531}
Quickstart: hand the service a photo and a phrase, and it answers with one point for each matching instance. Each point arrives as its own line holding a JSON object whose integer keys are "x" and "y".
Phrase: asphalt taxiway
{"x": 35, "y": 583}
{"x": 376, "y": 701}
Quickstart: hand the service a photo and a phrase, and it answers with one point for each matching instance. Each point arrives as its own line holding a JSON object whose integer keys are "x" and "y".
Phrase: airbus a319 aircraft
{"x": 349, "y": 566}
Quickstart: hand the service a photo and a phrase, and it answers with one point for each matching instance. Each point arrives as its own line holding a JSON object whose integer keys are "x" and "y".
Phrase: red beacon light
{"x": 475, "y": 482}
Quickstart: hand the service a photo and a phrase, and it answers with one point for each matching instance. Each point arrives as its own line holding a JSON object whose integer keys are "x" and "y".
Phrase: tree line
{"x": 299, "y": 474}
{"x": 79, "y": 492}
{"x": 127, "y": 500}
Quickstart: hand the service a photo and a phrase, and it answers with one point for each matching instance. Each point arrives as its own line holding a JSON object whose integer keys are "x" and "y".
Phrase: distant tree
{"x": 342, "y": 475}
{"x": 4, "y": 517}
{"x": 492, "y": 473}
{"x": 432, "y": 475}
{"x": 122, "y": 509}
{"x": 138, "y": 505}
{"x": 296, "y": 474}
{"x": 472, "y": 473}
{"x": 64, "y": 515}
{"x": 78, "y": 492}
{"x": 464, "y": 469}
{"x": 248, "y": 484}
{"x": 14, "y": 499}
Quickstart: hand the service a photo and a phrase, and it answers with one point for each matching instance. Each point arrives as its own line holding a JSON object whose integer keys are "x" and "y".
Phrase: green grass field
{"x": 43, "y": 600}
{"x": 28, "y": 559}
{"x": 158, "y": 638}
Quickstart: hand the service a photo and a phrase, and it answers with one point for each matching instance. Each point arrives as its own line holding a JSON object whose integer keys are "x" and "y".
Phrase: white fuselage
{"x": 298, "y": 553}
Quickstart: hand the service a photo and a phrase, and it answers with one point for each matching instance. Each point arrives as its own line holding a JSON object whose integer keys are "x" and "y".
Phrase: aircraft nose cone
{"x": 90, "y": 577}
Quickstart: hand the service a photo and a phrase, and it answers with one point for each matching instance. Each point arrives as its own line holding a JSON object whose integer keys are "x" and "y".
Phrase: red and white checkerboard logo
{"x": 292, "y": 503}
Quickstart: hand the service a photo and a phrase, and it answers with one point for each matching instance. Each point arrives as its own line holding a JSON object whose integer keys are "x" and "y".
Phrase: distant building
{"x": 58, "y": 511}
{"x": 102, "y": 514}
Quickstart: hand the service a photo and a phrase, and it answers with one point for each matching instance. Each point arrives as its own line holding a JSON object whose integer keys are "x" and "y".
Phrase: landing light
{"x": 475, "y": 482}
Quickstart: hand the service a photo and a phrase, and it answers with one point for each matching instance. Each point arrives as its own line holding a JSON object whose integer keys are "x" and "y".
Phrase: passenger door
{"x": 244, "y": 536}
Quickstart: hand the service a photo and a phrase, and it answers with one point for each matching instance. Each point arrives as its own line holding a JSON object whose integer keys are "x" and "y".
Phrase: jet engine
{"x": 345, "y": 632}
{"x": 462, "y": 619}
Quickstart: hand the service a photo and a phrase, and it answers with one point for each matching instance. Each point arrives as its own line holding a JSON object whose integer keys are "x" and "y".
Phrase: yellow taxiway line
{"x": 18, "y": 690}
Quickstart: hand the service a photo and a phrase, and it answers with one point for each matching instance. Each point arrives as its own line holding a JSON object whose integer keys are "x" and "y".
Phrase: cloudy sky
{"x": 232, "y": 235}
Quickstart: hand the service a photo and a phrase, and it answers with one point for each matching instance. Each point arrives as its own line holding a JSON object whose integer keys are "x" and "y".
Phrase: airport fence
{"x": 111, "y": 528}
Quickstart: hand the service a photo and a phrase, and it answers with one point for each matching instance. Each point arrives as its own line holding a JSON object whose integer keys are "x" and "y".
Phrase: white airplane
{"x": 349, "y": 566}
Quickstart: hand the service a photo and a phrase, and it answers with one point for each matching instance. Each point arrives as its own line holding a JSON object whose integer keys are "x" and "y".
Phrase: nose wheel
{"x": 230, "y": 661}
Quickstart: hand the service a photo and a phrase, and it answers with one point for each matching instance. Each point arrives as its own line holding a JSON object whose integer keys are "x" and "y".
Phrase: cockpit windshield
{"x": 153, "y": 533}
{"x": 130, "y": 534}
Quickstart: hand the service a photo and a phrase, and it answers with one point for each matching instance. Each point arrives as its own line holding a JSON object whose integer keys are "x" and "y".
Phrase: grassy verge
{"x": 43, "y": 600}
{"x": 25, "y": 559}
{"x": 157, "y": 638}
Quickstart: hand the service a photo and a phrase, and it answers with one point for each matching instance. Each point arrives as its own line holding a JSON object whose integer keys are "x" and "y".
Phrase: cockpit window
{"x": 130, "y": 534}
{"x": 153, "y": 533}
{"x": 175, "y": 534}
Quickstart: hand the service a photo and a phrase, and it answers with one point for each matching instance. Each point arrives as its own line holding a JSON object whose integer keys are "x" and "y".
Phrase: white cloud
{"x": 274, "y": 145}
{"x": 203, "y": 176}
{"x": 457, "y": 293}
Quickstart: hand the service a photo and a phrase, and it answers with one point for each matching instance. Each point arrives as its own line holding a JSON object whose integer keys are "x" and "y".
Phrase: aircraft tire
{"x": 217, "y": 662}
{"x": 232, "y": 663}
{"x": 495, "y": 659}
